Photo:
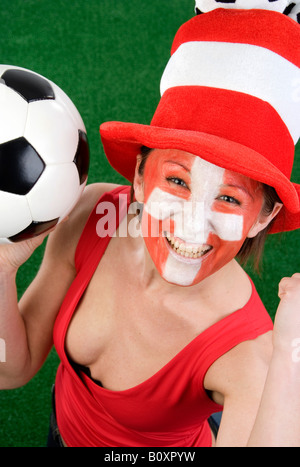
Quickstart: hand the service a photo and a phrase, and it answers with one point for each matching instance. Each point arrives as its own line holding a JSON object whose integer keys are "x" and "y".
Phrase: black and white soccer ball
{"x": 44, "y": 154}
{"x": 288, "y": 7}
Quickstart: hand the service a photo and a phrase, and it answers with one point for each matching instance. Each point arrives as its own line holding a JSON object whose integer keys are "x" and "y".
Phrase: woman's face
{"x": 196, "y": 215}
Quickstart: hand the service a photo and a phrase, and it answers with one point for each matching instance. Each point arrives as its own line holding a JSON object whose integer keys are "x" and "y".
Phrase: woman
{"x": 157, "y": 331}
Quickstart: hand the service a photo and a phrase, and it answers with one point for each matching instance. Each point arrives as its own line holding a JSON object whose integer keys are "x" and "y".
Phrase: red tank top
{"x": 170, "y": 408}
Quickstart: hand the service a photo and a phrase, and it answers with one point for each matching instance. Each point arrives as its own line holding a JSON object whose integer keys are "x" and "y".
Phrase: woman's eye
{"x": 177, "y": 181}
{"x": 229, "y": 199}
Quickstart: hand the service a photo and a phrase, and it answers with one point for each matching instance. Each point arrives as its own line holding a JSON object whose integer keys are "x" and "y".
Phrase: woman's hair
{"x": 252, "y": 248}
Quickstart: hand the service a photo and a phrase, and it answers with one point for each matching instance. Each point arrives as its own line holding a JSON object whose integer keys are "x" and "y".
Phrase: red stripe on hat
{"x": 257, "y": 27}
{"x": 232, "y": 115}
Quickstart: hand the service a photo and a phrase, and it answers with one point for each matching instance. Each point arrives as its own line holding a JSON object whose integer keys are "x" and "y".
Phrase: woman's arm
{"x": 26, "y": 327}
{"x": 260, "y": 381}
{"x": 237, "y": 381}
{"x": 12, "y": 329}
{"x": 278, "y": 420}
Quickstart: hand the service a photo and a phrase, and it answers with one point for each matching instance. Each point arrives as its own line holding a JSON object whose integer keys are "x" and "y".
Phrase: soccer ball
{"x": 288, "y": 7}
{"x": 44, "y": 154}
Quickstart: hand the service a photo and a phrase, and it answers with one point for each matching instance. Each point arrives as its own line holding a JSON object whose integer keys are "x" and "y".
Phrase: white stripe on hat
{"x": 238, "y": 67}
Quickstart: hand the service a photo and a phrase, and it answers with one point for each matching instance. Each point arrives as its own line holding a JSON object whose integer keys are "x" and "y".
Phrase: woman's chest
{"x": 124, "y": 334}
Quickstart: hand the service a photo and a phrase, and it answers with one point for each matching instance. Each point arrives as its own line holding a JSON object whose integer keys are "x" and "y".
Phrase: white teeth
{"x": 188, "y": 251}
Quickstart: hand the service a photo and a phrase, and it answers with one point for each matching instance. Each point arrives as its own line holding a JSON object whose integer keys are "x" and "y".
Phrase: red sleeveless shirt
{"x": 170, "y": 408}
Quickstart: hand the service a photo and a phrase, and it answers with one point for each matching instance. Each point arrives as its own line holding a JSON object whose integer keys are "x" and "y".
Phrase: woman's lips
{"x": 190, "y": 251}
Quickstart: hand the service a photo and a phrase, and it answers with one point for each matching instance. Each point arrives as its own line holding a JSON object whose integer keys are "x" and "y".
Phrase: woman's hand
{"x": 13, "y": 255}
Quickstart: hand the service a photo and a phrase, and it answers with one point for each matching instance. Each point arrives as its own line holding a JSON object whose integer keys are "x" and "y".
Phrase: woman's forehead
{"x": 165, "y": 156}
{"x": 196, "y": 164}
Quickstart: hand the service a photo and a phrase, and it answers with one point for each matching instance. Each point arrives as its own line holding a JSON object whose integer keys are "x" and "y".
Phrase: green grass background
{"x": 108, "y": 56}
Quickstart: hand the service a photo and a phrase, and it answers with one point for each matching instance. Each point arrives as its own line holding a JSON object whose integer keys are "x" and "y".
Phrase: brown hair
{"x": 252, "y": 248}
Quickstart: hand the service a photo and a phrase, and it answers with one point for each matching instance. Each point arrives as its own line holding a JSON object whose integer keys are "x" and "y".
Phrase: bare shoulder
{"x": 242, "y": 370}
{"x": 63, "y": 240}
{"x": 79, "y": 216}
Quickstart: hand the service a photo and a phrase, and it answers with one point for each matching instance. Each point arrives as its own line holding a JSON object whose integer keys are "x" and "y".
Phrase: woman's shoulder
{"x": 244, "y": 310}
{"x": 63, "y": 241}
{"x": 91, "y": 194}
{"x": 247, "y": 364}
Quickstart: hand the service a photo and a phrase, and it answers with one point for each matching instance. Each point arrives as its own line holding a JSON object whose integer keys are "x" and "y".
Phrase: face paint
{"x": 196, "y": 215}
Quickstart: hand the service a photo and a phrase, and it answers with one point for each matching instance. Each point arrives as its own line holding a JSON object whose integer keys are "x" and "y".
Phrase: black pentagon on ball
{"x": 289, "y": 8}
{"x": 20, "y": 166}
{"x": 30, "y": 86}
{"x": 34, "y": 229}
{"x": 82, "y": 157}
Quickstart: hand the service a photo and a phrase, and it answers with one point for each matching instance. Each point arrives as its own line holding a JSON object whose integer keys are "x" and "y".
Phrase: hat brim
{"x": 122, "y": 143}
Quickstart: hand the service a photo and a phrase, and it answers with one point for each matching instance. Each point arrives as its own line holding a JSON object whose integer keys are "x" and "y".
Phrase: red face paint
{"x": 196, "y": 215}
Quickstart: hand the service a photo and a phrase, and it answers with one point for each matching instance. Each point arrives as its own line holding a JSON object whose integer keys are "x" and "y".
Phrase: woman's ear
{"x": 263, "y": 221}
{"x": 138, "y": 182}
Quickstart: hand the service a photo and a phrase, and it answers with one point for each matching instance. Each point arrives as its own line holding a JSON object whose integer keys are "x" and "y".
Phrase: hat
{"x": 230, "y": 95}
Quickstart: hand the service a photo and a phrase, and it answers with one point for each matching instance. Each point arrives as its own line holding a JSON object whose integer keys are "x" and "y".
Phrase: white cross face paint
{"x": 201, "y": 215}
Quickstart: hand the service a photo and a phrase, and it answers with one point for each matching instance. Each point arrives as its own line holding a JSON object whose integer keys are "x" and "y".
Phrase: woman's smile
{"x": 190, "y": 251}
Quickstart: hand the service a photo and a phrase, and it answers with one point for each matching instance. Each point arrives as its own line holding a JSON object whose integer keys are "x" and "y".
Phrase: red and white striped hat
{"x": 231, "y": 95}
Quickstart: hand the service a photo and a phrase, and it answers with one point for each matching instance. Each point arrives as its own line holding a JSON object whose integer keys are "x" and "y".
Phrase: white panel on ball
{"x": 15, "y": 214}
{"x": 66, "y": 102}
{"x": 54, "y": 193}
{"x": 13, "y": 120}
{"x": 49, "y": 118}
{"x": 75, "y": 201}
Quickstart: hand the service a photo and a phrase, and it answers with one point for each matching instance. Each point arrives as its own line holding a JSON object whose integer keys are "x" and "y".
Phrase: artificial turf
{"x": 108, "y": 56}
